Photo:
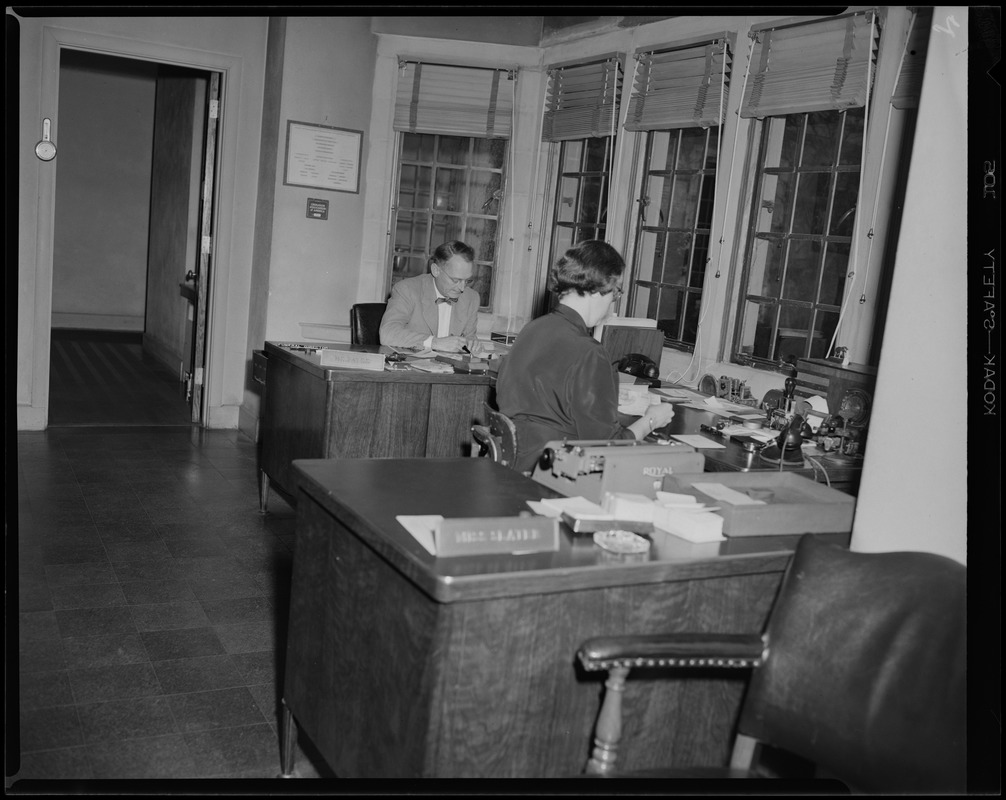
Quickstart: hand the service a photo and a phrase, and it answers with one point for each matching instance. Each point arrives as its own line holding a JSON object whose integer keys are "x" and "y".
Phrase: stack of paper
{"x": 682, "y": 515}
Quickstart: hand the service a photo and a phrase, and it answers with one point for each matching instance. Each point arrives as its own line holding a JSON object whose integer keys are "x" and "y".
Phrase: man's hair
{"x": 449, "y": 249}
{"x": 591, "y": 266}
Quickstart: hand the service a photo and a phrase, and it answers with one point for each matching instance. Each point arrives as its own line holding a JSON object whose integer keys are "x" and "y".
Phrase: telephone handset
{"x": 638, "y": 365}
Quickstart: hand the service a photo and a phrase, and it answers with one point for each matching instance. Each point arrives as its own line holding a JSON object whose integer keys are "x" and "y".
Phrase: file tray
{"x": 790, "y": 503}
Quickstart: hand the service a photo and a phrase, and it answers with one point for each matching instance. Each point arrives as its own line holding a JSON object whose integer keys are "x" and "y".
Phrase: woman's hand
{"x": 656, "y": 416}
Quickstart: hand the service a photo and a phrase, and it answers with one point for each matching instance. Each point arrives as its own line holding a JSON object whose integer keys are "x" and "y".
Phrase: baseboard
{"x": 98, "y": 322}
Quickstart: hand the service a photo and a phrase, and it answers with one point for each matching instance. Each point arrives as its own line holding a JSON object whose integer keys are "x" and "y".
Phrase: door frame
{"x": 224, "y": 274}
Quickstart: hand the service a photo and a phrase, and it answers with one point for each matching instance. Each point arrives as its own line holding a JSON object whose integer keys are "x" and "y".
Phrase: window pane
{"x": 597, "y": 154}
{"x": 836, "y": 263}
{"x": 449, "y": 191}
{"x": 686, "y": 201}
{"x": 679, "y": 246}
{"x": 417, "y": 146}
{"x": 590, "y": 200}
{"x": 562, "y": 241}
{"x": 699, "y": 256}
{"x": 824, "y": 329}
{"x": 485, "y": 193}
{"x": 662, "y": 147}
{"x": 852, "y": 137}
{"x": 414, "y": 186}
{"x": 489, "y": 153}
{"x": 762, "y": 317}
{"x": 766, "y": 267}
{"x": 843, "y": 212}
{"x": 692, "y": 153}
{"x": 481, "y": 235}
{"x": 566, "y": 202}
{"x": 802, "y": 270}
{"x": 691, "y": 321}
{"x": 787, "y": 153}
{"x": 711, "y": 154}
{"x": 820, "y": 144}
{"x": 650, "y": 255}
{"x": 778, "y": 194}
{"x": 670, "y": 312}
{"x": 571, "y": 154}
{"x": 656, "y": 203}
{"x": 410, "y": 233}
{"x": 447, "y": 228}
{"x": 811, "y": 205}
{"x": 453, "y": 150}
{"x": 482, "y": 283}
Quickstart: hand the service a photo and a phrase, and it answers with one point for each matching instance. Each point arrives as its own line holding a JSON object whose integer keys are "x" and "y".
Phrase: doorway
{"x": 130, "y": 275}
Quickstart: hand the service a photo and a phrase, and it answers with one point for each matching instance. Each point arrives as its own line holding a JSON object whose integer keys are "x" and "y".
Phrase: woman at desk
{"x": 558, "y": 382}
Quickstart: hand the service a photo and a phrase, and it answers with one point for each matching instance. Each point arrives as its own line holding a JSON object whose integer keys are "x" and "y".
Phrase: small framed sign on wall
{"x": 323, "y": 157}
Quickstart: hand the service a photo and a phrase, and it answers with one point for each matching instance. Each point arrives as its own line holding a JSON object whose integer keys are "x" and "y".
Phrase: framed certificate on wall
{"x": 323, "y": 157}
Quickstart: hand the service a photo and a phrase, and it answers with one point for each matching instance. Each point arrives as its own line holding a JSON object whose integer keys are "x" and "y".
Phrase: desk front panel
{"x": 313, "y": 411}
{"x": 388, "y": 681}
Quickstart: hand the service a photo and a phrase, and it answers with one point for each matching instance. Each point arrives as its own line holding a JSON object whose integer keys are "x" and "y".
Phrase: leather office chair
{"x": 365, "y": 322}
{"x": 498, "y": 439}
{"x": 860, "y": 670}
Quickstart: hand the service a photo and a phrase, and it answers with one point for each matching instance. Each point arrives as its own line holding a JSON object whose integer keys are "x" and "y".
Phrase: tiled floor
{"x": 152, "y": 606}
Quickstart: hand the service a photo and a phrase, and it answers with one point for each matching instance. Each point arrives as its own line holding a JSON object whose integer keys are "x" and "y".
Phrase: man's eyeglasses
{"x": 616, "y": 295}
{"x": 457, "y": 281}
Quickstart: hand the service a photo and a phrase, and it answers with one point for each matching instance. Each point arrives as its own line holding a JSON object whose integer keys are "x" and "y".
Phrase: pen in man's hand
{"x": 464, "y": 349}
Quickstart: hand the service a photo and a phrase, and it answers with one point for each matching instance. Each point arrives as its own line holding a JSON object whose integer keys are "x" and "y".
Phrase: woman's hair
{"x": 591, "y": 266}
{"x": 448, "y": 249}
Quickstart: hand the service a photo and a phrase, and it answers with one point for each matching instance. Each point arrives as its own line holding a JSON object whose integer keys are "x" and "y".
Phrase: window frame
{"x": 486, "y": 269}
{"x": 752, "y": 235}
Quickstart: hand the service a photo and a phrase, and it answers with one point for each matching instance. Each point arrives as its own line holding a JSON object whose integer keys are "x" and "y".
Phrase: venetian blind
{"x": 906, "y": 93}
{"x": 464, "y": 101}
{"x": 680, "y": 87}
{"x": 582, "y": 100}
{"x": 813, "y": 66}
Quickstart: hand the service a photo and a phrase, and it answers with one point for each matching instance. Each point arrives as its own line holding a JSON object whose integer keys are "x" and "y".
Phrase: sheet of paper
{"x": 727, "y": 495}
{"x": 578, "y": 507}
{"x": 422, "y": 527}
{"x": 697, "y": 440}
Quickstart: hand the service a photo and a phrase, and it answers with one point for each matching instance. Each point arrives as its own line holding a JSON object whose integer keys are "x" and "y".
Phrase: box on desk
{"x": 769, "y": 503}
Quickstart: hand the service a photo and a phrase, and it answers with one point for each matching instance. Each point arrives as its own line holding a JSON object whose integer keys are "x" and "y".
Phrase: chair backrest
{"x": 365, "y": 322}
{"x": 498, "y": 436}
{"x": 865, "y": 669}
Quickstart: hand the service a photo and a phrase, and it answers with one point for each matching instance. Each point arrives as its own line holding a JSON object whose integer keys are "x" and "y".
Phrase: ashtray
{"x": 621, "y": 542}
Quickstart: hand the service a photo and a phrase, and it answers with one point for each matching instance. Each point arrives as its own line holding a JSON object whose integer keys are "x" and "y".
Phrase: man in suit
{"x": 437, "y": 310}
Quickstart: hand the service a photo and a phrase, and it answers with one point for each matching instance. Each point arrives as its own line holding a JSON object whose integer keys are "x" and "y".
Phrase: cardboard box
{"x": 790, "y": 503}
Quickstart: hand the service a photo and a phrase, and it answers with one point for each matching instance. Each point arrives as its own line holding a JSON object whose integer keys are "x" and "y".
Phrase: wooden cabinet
{"x": 313, "y": 411}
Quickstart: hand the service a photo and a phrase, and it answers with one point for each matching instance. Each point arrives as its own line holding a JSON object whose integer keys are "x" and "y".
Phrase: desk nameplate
{"x": 472, "y": 536}
{"x": 352, "y": 359}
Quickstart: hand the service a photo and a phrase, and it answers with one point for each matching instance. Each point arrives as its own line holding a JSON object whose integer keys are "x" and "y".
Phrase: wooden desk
{"x": 399, "y": 664}
{"x": 313, "y": 411}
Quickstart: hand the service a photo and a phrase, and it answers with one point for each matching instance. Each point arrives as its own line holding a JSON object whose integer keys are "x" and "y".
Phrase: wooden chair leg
{"x": 608, "y": 729}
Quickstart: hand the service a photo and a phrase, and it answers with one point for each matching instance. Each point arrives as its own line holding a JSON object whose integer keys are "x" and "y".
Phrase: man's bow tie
{"x": 451, "y": 300}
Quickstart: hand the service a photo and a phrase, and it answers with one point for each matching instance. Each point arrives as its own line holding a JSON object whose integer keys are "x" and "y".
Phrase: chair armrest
{"x": 730, "y": 650}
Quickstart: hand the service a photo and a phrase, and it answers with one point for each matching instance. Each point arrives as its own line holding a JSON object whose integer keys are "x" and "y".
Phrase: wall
{"x": 314, "y": 269}
{"x": 103, "y": 192}
{"x": 914, "y": 487}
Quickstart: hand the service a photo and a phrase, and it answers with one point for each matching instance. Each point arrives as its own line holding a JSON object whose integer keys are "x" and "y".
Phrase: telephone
{"x": 638, "y": 365}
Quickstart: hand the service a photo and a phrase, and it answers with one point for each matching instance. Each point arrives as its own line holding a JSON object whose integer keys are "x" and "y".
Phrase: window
{"x": 672, "y": 239}
{"x": 454, "y": 127}
{"x": 801, "y": 234}
{"x": 581, "y": 115}
{"x": 449, "y": 187}
{"x": 810, "y": 86}
{"x": 679, "y": 100}
{"x": 581, "y": 202}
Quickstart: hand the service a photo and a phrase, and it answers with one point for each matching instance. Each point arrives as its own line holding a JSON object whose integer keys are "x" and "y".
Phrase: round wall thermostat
{"x": 45, "y": 149}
